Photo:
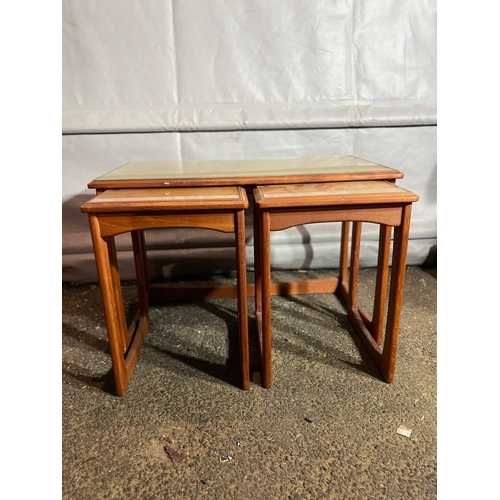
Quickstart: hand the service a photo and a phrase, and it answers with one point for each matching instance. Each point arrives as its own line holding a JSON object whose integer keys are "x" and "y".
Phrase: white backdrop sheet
{"x": 163, "y": 80}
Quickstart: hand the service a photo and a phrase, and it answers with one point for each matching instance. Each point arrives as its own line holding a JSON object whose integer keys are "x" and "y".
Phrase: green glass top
{"x": 194, "y": 169}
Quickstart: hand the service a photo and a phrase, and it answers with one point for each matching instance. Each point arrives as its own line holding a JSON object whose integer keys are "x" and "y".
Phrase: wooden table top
{"x": 247, "y": 172}
{"x": 167, "y": 198}
{"x": 334, "y": 193}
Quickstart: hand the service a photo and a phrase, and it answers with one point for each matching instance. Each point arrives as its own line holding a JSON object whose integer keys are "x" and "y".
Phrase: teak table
{"x": 249, "y": 174}
{"x": 378, "y": 202}
{"x": 117, "y": 211}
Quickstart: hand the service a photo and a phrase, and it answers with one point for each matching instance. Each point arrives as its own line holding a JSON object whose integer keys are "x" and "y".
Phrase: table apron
{"x": 111, "y": 225}
{"x": 285, "y": 218}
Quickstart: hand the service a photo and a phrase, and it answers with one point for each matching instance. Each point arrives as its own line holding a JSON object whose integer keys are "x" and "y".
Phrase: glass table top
{"x": 246, "y": 168}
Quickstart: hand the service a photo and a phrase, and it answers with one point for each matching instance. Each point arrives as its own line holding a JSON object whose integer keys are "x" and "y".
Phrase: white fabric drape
{"x": 167, "y": 79}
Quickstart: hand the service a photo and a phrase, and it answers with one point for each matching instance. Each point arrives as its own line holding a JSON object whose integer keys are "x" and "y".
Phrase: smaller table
{"x": 134, "y": 210}
{"x": 378, "y": 202}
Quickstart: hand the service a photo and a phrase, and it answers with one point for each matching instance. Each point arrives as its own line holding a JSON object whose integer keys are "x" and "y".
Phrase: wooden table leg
{"x": 349, "y": 280}
{"x": 241, "y": 278}
{"x": 352, "y": 298}
{"x": 257, "y": 261}
{"x": 381, "y": 283}
{"x": 141, "y": 270}
{"x": 384, "y": 355}
{"x": 257, "y": 291}
{"x": 265, "y": 244}
{"x": 114, "y": 275}
{"x": 105, "y": 258}
{"x": 124, "y": 343}
{"x": 400, "y": 249}
{"x": 349, "y": 277}
{"x": 344, "y": 255}
{"x": 139, "y": 326}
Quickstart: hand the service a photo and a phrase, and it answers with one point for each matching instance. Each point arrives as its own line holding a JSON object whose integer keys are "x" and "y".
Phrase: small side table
{"x": 117, "y": 211}
{"x": 380, "y": 202}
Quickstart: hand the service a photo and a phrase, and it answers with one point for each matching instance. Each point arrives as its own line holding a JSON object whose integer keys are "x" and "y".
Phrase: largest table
{"x": 248, "y": 173}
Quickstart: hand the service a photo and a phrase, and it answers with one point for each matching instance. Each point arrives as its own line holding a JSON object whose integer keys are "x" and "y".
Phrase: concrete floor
{"x": 327, "y": 429}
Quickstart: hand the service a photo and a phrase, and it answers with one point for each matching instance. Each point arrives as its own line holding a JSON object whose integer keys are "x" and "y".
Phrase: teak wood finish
{"x": 113, "y": 212}
{"x": 380, "y": 202}
{"x": 247, "y": 173}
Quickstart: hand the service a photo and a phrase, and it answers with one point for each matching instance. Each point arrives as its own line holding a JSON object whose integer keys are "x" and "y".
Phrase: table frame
{"x": 116, "y": 215}
{"x": 346, "y": 284}
{"x": 160, "y": 292}
{"x": 394, "y": 211}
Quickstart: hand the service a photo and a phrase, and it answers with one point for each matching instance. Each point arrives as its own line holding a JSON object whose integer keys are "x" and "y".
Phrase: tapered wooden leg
{"x": 140, "y": 324}
{"x": 384, "y": 355}
{"x": 257, "y": 261}
{"x": 344, "y": 255}
{"x": 400, "y": 248}
{"x": 241, "y": 278}
{"x": 352, "y": 299}
{"x": 258, "y": 279}
{"x": 117, "y": 288}
{"x": 265, "y": 244}
{"x": 141, "y": 271}
{"x": 105, "y": 257}
{"x": 381, "y": 283}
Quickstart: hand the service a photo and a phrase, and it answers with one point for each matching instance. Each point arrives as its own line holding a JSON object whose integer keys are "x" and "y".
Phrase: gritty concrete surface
{"x": 327, "y": 429}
